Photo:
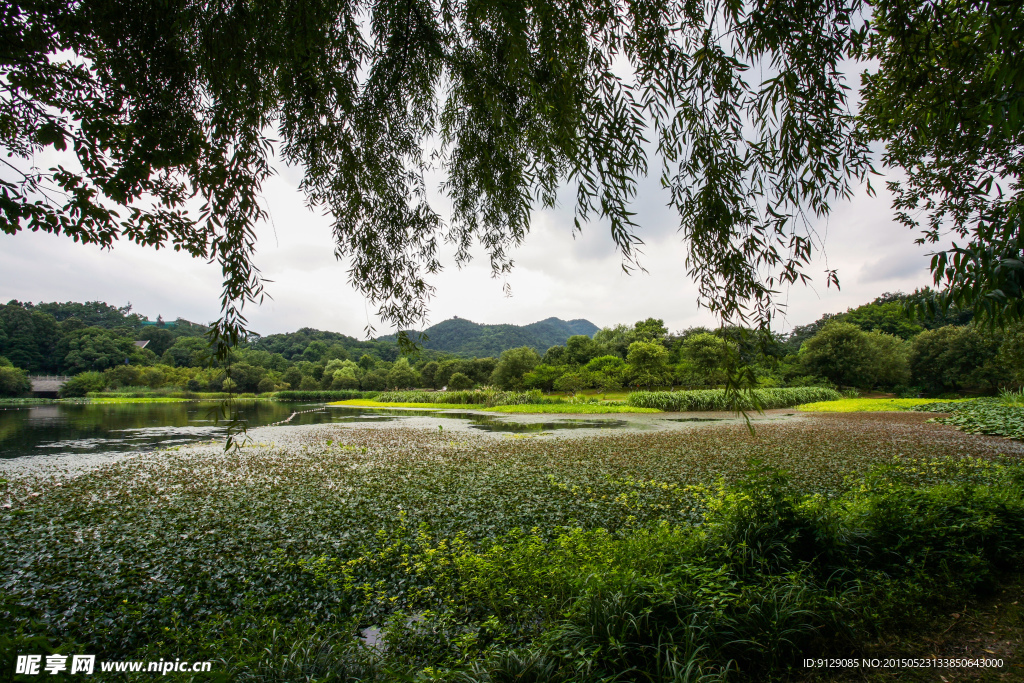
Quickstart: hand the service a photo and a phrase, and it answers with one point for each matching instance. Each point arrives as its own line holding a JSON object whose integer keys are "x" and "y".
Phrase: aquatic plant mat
{"x": 388, "y": 554}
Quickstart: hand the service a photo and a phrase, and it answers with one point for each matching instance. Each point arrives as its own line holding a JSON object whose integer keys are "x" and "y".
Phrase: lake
{"x": 39, "y": 430}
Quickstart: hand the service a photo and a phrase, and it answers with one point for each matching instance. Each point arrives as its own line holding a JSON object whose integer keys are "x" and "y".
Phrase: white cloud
{"x": 556, "y": 274}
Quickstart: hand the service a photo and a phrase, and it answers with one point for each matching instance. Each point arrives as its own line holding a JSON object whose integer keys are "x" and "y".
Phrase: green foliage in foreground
{"x": 487, "y": 397}
{"x": 768, "y": 576}
{"x": 578, "y": 408}
{"x": 715, "y": 399}
{"x": 858, "y": 405}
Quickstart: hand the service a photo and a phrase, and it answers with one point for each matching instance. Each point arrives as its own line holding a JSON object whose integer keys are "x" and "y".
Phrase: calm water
{"x": 123, "y": 427}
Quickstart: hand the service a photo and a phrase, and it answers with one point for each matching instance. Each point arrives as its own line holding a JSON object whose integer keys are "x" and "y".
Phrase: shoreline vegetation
{"x": 469, "y": 559}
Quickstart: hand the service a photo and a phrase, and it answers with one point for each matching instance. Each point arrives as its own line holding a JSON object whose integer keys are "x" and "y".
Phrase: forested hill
{"x": 467, "y": 338}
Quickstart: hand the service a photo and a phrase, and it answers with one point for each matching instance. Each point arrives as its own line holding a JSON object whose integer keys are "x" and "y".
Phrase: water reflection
{"x": 123, "y": 427}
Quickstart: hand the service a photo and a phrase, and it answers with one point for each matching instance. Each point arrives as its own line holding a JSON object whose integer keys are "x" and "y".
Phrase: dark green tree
{"x": 652, "y": 329}
{"x": 459, "y": 382}
{"x": 512, "y": 365}
{"x": 163, "y": 103}
{"x": 580, "y": 350}
{"x": 402, "y": 375}
{"x": 428, "y": 372}
{"x": 94, "y": 348}
{"x": 848, "y": 356}
{"x": 159, "y": 339}
{"x": 374, "y": 380}
{"x": 543, "y": 377}
{"x": 187, "y": 352}
{"x": 91, "y": 313}
{"x": 29, "y": 338}
{"x": 946, "y": 99}
{"x": 13, "y": 381}
{"x": 890, "y": 317}
{"x": 555, "y": 355}
{"x": 648, "y": 361}
{"x": 951, "y": 358}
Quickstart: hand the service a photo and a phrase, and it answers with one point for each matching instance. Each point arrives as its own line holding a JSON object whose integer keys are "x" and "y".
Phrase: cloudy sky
{"x": 556, "y": 274}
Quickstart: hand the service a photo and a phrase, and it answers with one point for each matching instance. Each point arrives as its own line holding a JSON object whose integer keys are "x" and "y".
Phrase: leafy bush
{"x": 849, "y": 356}
{"x": 715, "y": 399}
{"x": 82, "y": 383}
{"x": 13, "y": 381}
{"x": 770, "y": 575}
{"x": 323, "y": 395}
{"x": 460, "y": 382}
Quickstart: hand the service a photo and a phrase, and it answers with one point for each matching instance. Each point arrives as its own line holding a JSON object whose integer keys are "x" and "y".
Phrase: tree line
{"x": 878, "y": 346}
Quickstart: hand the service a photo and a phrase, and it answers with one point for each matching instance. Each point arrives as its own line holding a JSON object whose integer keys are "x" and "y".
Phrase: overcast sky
{"x": 556, "y": 274}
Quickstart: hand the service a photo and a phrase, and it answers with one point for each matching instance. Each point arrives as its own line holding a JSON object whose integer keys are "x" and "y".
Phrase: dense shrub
{"x": 770, "y": 576}
{"x": 715, "y": 399}
{"x": 847, "y": 355}
{"x": 13, "y": 381}
{"x": 951, "y": 358}
{"x": 460, "y": 382}
{"x": 512, "y": 365}
{"x": 82, "y": 383}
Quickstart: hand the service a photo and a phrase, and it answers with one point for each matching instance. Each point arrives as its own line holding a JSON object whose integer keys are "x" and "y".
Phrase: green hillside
{"x": 467, "y": 338}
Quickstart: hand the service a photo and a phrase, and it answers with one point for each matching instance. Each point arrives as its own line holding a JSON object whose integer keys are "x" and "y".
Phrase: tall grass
{"x": 488, "y": 397}
{"x": 715, "y": 399}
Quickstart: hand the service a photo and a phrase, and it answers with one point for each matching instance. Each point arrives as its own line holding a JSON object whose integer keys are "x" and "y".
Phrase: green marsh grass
{"x": 853, "y": 405}
{"x": 715, "y": 399}
{"x": 479, "y": 559}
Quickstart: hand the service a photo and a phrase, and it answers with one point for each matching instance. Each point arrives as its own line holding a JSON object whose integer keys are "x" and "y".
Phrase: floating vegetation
{"x": 468, "y": 554}
{"x": 999, "y": 416}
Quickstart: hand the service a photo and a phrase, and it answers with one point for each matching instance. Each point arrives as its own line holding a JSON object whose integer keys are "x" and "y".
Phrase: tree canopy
{"x": 168, "y": 109}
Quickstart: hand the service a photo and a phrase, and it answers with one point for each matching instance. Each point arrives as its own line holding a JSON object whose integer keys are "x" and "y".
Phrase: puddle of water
{"x": 693, "y": 419}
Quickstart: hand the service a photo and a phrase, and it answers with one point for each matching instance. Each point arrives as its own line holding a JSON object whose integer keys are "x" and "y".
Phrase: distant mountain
{"x": 467, "y": 338}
